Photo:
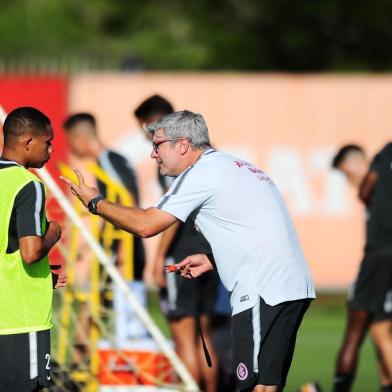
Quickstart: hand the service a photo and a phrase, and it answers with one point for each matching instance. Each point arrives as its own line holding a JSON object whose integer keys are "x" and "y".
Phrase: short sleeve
{"x": 189, "y": 192}
{"x": 29, "y": 207}
{"x": 381, "y": 157}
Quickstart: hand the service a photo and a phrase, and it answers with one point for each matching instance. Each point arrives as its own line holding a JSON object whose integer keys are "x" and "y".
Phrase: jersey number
{"x": 47, "y": 357}
{"x": 47, "y": 367}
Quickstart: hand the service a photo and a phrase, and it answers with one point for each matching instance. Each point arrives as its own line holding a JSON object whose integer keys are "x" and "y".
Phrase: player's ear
{"x": 26, "y": 141}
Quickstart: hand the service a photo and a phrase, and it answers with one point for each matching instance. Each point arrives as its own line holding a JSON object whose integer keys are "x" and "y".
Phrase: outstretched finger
{"x": 80, "y": 176}
{"x": 67, "y": 181}
{"x": 74, "y": 192}
{"x": 73, "y": 187}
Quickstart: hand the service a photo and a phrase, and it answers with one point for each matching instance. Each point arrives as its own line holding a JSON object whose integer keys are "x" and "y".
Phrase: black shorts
{"x": 189, "y": 297}
{"x": 25, "y": 362}
{"x": 372, "y": 291}
{"x": 263, "y": 342}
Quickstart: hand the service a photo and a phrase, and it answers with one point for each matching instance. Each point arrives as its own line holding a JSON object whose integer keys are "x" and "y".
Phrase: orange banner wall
{"x": 290, "y": 126}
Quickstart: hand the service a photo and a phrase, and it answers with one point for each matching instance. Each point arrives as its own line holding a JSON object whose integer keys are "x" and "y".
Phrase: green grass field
{"x": 317, "y": 345}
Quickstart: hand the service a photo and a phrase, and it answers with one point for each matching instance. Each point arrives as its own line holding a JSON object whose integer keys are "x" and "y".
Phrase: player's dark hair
{"x": 23, "y": 120}
{"x": 77, "y": 118}
{"x": 152, "y": 106}
{"x": 343, "y": 152}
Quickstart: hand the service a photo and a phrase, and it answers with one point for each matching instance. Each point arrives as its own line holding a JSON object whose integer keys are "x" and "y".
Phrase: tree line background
{"x": 240, "y": 35}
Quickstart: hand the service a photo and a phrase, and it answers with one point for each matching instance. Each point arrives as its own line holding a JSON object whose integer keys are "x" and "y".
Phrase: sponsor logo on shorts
{"x": 242, "y": 372}
{"x": 388, "y": 302}
{"x": 244, "y": 298}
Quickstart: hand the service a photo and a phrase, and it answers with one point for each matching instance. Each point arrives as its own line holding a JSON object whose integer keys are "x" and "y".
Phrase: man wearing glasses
{"x": 255, "y": 247}
{"x": 188, "y": 310}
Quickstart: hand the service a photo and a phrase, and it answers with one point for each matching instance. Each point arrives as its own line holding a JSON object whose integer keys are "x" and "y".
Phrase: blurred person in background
{"x": 370, "y": 298}
{"x": 186, "y": 306}
{"x": 84, "y": 142}
{"x": 26, "y": 237}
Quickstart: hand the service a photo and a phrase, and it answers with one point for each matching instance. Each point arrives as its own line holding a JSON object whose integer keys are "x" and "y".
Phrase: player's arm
{"x": 33, "y": 248}
{"x": 370, "y": 181}
{"x": 367, "y": 186}
{"x": 167, "y": 239}
{"x": 141, "y": 222}
{"x": 34, "y": 244}
{"x": 163, "y": 247}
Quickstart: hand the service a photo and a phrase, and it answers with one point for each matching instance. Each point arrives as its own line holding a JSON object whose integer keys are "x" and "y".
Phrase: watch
{"x": 92, "y": 204}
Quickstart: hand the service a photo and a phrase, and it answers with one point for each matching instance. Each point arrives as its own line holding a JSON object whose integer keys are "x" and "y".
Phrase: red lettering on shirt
{"x": 259, "y": 173}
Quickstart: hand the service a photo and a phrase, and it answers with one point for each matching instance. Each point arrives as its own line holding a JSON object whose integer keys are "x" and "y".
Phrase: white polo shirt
{"x": 243, "y": 216}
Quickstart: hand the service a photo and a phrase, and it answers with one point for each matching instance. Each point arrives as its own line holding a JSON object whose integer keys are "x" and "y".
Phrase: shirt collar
{"x": 5, "y": 161}
{"x": 208, "y": 151}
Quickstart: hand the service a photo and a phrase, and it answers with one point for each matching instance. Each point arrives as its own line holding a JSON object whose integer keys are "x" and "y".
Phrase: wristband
{"x": 92, "y": 204}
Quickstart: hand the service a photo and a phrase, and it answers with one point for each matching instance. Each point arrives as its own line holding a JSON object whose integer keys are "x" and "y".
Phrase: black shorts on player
{"x": 264, "y": 341}
{"x": 372, "y": 291}
{"x": 25, "y": 362}
{"x": 183, "y": 297}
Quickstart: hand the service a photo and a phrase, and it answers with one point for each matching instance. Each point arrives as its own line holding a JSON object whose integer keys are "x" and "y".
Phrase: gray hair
{"x": 184, "y": 124}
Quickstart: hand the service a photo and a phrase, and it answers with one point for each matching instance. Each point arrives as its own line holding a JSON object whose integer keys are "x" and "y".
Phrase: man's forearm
{"x": 48, "y": 242}
{"x": 167, "y": 239}
{"x": 47, "y": 245}
{"x": 36, "y": 249}
{"x": 141, "y": 222}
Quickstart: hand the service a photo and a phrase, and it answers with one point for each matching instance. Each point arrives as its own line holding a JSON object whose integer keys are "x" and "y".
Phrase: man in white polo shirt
{"x": 255, "y": 248}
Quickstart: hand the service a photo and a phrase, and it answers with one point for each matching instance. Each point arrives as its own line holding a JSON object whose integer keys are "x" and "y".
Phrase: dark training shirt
{"x": 26, "y": 215}
{"x": 379, "y": 222}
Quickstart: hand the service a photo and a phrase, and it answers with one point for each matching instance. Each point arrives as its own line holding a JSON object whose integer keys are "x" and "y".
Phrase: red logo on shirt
{"x": 259, "y": 173}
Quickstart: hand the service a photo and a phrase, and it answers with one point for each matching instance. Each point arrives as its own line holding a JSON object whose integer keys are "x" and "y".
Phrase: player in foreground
{"x": 242, "y": 215}
{"x": 26, "y": 282}
{"x": 370, "y": 302}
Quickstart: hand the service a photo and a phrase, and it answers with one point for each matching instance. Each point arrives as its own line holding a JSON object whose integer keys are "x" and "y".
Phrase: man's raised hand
{"x": 82, "y": 191}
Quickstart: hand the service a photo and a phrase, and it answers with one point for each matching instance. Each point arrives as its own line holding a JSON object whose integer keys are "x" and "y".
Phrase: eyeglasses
{"x": 155, "y": 145}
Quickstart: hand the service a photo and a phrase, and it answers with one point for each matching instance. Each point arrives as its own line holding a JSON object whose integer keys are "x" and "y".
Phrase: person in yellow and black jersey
{"x": 26, "y": 238}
